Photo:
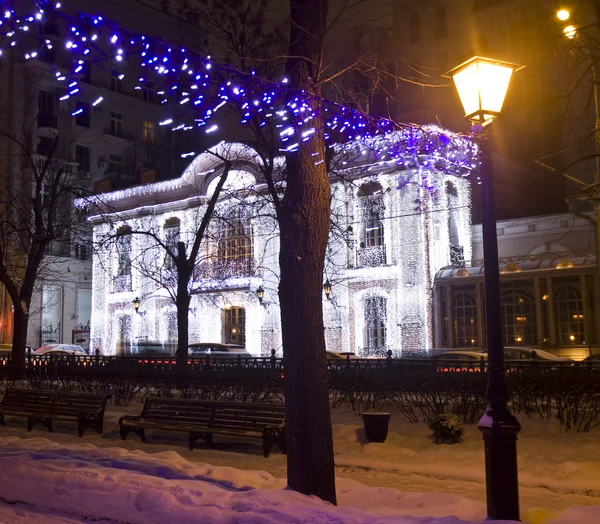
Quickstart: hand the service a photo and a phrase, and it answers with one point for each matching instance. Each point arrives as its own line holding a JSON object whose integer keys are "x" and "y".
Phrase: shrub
{"x": 447, "y": 429}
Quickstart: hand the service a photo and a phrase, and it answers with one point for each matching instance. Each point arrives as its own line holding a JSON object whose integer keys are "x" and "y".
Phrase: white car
{"x": 459, "y": 354}
{"x": 60, "y": 349}
{"x": 521, "y": 353}
{"x": 217, "y": 350}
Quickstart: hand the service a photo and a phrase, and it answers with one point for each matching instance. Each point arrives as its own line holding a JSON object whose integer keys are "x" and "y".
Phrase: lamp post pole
{"x": 482, "y": 84}
{"x": 498, "y": 426}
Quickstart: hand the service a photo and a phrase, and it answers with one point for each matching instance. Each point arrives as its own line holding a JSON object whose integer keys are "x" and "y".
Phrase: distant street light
{"x": 482, "y": 84}
{"x": 563, "y": 14}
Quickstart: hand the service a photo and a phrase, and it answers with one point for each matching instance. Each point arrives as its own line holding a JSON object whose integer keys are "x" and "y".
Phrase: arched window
{"x": 519, "y": 321}
{"x": 372, "y": 247}
{"x": 375, "y": 309}
{"x": 414, "y": 28}
{"x": 235, "y": 253}
{"x": 568, "y": 311}
{"x": 464, "y": 313}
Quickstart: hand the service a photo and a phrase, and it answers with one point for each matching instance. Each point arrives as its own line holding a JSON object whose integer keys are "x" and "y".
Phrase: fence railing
{"x": 207, "y": 363}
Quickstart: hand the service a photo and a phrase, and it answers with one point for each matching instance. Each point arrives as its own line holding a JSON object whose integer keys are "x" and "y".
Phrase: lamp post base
{"x": 499, "y": 428}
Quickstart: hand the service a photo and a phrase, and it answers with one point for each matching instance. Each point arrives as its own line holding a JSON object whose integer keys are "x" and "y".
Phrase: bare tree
{"x": 37, "y": 189}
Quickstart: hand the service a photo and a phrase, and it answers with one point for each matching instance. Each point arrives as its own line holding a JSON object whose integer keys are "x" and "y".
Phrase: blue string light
{"x": 182, "y": 78}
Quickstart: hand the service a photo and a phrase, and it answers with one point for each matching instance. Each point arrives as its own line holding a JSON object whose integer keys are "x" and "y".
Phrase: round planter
{"x": 376, "y": 426}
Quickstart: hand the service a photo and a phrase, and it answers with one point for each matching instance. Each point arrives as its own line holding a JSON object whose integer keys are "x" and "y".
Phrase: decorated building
{"x": 400, "y": 213}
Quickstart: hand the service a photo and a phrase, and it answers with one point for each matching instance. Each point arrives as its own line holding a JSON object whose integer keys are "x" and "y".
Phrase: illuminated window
{"x": 148, "y": 132}
{"x": 568, "y": 310}
{"x": 464, "y": 312}
{"x": 372, "y": 247}
{"x": 235, "y": 325}
{"x": 234, "y": 250}
{"x": 519, "y": 321}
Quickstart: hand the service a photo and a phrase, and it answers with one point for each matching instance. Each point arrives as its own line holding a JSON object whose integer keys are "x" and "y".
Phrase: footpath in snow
{"x": 67, "y": 479}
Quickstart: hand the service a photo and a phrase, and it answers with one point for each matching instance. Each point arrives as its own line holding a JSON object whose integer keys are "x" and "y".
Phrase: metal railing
{"x": 198, "y": 364}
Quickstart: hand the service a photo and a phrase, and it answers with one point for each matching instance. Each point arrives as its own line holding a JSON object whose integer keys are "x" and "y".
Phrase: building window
{"x": 148, "y": 95}
{"x": 116, "y": 81}
{"x": 440, "y": 23}
{"x": 115, "y": 164}
{"x": 235, "y": 326}
{"x": 234, "y": 250}
{"x": 45, "y": 103}
{"x": 519, "y": 321}
{"x": 82, "y": 157}
{"x": 371, "y": 251}
{"x": 124, "y": 335}
{"x": 46, "y": 116}
{"x": 464, "y": 313}
{"x": 414, "y": 28}
{"x": 45, "y": 146}
{"x": 375, "y": 326}
{"x": 148, "y": 132}
{"x": 172, "y": 236}
{"x": 568, "y": 305}
{"x": 116, "y": 123}
{"x": 82, "y": 117}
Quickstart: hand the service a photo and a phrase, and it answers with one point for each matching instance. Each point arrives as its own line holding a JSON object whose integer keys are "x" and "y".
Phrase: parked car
{"x": 60, "y": 349}
{"x": 521, "y": 353}
{"x": 217, "y": 350}
{"x": 592, "y": 358}
{"x": 459, "y": 354}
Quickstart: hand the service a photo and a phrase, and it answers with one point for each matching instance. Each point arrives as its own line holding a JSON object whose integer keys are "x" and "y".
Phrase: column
{"x": 539, "y": 311}
{"x": 551, "y": 319}
{"x": 450, "y": 322}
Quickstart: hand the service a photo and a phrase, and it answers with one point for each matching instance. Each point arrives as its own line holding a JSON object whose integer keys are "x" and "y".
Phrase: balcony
{"x": 373, "y": 256}
{"x": 39, "y": 162}
{"x": 121, "y": 284}
{"x": 224, "y": 269}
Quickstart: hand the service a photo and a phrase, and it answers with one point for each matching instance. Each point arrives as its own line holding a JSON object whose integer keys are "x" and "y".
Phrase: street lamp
{"x": 136, "y": 303}
{"x": 482, "y": 84}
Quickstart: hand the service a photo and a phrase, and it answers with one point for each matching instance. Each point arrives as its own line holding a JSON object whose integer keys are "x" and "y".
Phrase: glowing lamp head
{"x": 327, "y": 288}
{"x": 570, "y": 32}
{"x": 136, "y": 303}
{"x": 563, "y": 14}
{"x": 482, "y": 84}
{"x": 260, "y": 293}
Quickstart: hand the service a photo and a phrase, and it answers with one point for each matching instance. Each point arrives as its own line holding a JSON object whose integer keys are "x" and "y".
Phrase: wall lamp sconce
{"x": 136, "y": 304}
{"x": 327, "y": 289}
{"x": 260, "y": 293}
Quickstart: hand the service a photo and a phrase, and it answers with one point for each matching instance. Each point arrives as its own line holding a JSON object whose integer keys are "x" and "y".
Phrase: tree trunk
{"x": 182, "y": 303}
{"x": 20, "y": 323}
{"x": 304, "y": 226}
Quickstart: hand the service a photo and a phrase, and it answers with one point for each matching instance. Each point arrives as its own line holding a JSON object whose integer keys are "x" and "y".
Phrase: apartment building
{"x": 105, "y": 135}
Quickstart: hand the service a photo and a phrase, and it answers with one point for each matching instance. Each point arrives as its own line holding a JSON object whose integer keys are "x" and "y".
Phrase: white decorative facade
{"x": 395, "y": 224}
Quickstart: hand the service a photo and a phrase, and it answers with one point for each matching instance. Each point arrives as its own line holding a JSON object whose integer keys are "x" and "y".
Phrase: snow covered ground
{"x": 59, "y": 478}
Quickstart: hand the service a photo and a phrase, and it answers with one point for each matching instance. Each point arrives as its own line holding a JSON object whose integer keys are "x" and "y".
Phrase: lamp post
{"x": 482, "y": 84}
{"x": 260, "y": 294}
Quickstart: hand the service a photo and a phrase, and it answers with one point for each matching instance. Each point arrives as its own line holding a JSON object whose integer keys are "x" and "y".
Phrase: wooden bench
{"x": 45, "y": 406}
{"x": 203, "y": 419}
